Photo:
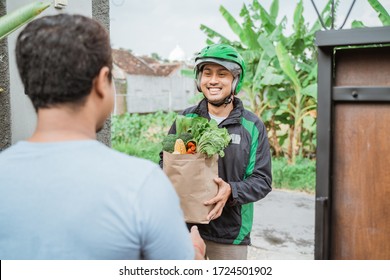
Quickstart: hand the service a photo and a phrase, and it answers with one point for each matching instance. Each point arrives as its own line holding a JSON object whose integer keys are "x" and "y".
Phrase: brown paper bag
{"x": 193, "y": 175}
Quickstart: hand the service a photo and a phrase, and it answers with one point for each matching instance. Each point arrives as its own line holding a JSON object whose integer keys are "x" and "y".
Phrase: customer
{"x": 64, "y": 195}
{"x": 245, "y": 170}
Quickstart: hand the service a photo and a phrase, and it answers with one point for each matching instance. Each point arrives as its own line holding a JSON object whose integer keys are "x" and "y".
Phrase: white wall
{"x": 147, "y": 94}
{"x": 23, "y": 117}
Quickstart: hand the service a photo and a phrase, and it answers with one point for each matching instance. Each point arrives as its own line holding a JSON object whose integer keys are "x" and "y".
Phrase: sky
{"x": 158, "y": 26}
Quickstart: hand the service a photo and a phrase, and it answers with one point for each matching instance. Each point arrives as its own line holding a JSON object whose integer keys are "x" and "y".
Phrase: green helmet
{"x": 224, "y": 55}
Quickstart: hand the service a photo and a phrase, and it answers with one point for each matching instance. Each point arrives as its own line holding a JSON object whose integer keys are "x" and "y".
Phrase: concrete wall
{"x": 17, "y": 116}
{"x": 147, "y": 94}
{"x": 5, "y": 105}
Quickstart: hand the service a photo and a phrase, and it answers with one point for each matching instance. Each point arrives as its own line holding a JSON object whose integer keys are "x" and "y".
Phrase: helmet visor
{"x": 233, "y": 67}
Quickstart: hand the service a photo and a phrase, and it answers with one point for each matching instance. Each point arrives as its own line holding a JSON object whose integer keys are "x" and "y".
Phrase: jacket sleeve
{"x": 257, "y": 181}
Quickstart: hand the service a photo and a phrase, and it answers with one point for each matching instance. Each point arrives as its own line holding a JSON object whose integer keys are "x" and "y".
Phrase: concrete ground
{"x": 283, "y": 227}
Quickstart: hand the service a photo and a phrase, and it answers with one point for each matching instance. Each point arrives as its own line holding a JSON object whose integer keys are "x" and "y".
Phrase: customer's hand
{"x": 223, "y": 194}
{"x": 199, "y": 245}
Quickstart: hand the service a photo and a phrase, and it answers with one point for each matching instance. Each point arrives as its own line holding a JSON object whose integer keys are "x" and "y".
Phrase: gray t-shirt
{"x": 83, "y": 200}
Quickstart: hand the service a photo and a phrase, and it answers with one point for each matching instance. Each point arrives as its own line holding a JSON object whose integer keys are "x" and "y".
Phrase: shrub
{"x": 140, "y": 135}
{"x": 300, "y": 176}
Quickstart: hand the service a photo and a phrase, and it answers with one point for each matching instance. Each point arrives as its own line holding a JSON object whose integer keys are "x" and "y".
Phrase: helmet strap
{"x": 225, "y": 102}
{"x": 197, "y": 81}
{"x": 234, "y": 84}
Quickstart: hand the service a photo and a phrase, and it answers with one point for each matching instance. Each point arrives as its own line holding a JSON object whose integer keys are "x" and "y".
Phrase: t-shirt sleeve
{"x": 160, "y": 221}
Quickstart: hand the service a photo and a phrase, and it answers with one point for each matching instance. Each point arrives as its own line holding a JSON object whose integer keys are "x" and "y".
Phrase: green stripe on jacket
{"x": 247, "y": 209}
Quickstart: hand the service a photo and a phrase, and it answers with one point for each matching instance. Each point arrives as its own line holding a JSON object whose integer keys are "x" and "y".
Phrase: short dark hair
{"x": 59, "y": 56}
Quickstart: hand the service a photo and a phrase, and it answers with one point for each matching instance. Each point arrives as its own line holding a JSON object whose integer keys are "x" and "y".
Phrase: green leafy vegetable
{"x": 214, "y": 141}
{"x": 168, "y": 142}
{"x": 186, "y": 137}
{"x": 210, "y": 139}
{"x": 183, "y": 124}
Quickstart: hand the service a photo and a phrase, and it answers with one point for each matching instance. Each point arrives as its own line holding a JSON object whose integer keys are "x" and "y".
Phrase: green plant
{"x": 383, "y": 15}
{"x": 12, "y": 21}
{"x": 140, "y": 135}
{"x": 280, "y": 85}
{"x": 141, "y": 149}
{"x": 299, "y": 176}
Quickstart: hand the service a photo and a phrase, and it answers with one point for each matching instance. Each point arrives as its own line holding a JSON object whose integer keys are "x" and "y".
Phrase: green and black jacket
{"x": 246, "y": 166}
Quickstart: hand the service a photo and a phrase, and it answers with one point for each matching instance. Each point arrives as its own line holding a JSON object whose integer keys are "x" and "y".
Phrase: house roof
{"x": 118, "y": 73}
{"x": 131, "y": 64}
{"x": 166, "y": 69}
{"x": 142, "y": 65}
{"x": 149, "y": 60}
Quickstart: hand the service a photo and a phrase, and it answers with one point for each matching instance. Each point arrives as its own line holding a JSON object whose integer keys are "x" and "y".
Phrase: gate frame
{"x": 326, "y": 42}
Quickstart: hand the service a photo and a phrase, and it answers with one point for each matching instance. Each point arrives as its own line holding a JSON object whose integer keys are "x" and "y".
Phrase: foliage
{"x": 281, "y": 82}
{"x": 157, "y": 57}
{"x": 300, "y": 176}
{"x": 140, "y": 135}
{"x": 145, "y": 143}
{"x": 140, "y": 149}
{"x": 12, "y": 21}
{"x": 129, "y": 128}
{"x": 280, "y": 85}
{"x": 383, "y": 15}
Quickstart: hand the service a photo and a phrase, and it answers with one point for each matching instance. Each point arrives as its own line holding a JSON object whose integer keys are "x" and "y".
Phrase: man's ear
{"x": 103, "y": 82}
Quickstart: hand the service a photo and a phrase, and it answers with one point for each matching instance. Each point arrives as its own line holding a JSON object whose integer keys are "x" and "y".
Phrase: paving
{"x": 283, "y": 227}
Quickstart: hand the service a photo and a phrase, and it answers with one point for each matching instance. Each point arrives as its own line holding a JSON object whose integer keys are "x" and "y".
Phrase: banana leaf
{"x": 326, "y": 15}
{"x": 310, "y": 90}
{"x": 211, "y": 34}
{"x": 267, "y": 21}
{"x": 299, "y": 21}
{"x": 274, "y": 9}
{"x": 357, "y": 24}
{"x": 286, "y": 65}
{"x": 383, "y": 15}
{"x": 271, "y": 77}
{"x": 247, "y": 32}
{"x": 266, "y": 44}
{"x": 12, "y": 21}
{"x": 233, "y": 23}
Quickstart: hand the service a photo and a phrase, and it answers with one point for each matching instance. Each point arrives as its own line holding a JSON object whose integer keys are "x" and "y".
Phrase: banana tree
{"x": 269, "y": 89}
{"x": 295, "y": 57}
{"x": 257, "y": 49}
{"x": 300, "y": 104}
{"x": 280, "y": 85}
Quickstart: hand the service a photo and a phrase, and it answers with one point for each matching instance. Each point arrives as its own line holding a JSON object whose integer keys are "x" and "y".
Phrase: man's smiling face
{"x": 216, "y": 82}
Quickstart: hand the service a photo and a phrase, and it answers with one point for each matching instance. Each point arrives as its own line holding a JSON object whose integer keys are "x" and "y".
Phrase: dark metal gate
{"x": 352, "y": 219}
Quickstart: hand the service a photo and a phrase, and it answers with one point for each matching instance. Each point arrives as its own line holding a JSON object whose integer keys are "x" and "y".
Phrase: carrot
{"x": 191, "y": 145}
